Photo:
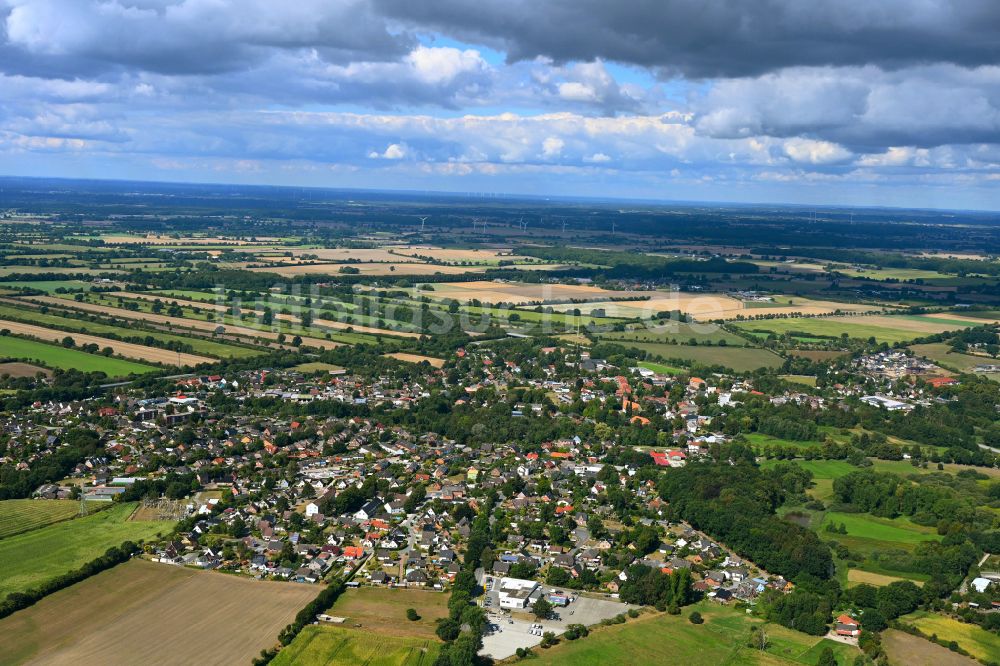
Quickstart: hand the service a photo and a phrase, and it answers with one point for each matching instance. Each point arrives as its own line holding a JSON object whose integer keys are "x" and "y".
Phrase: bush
{"x": 411, "y": 615}
{"x": 633, "y": 612}
{"x": 696, "y": 618}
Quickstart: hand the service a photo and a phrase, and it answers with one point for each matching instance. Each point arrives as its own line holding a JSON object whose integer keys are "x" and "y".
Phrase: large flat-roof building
{"x": 516, "y": 592}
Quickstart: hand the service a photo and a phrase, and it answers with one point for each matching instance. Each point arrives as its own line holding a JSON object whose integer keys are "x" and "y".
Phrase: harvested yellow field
{"x": 521, "y": 293}
{"x": 175, "y": 322}
{"x": 457, "y": 255}
{"x": 377, "y": 269}
{"x": 857, "y": 576}
{"x": 145, "y": 613}
{"x": 416, "y": 358}
{"x": 126, "y": 349}
{"x": 350, "y": 255}
{"x": 322, "y": 323}
{"x": 704, "y": 306}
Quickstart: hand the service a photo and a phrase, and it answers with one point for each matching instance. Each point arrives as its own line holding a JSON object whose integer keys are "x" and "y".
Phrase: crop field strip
{"x": 44, "y": 553}
{"x": 335, "y": 325}
{"x": 24, "y": 515}
{"x": 23, "y": 311}
{"x": 57, "y": 356}
{"x": 186, "y": 322}
{"x": 126, "y": 349}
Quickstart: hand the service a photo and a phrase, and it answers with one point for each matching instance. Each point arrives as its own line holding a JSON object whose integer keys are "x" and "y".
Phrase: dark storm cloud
{"x": 721, "y": 38}
{"x": 80, "y": 37}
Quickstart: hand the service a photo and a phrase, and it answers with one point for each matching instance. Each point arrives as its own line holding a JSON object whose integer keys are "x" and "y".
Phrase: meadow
{"x": 383, "y": 610}
{"x": 903, "y": 648}
{"x": 680, "y": 332}
{"x": 55, "y": 356}
{"x": 741, "y": 359}
{"x": 336, "y": 646}
{"x": 942, "y": 354}
{"x": 24, "y": 515}
{"x": 889, "y": 329}
{"x": 673, "y": 639}
{"x": 32, "y": 557}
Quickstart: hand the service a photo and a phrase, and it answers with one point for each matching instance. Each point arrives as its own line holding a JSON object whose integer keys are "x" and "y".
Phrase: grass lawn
{"x": 740, "y": 359}
{"x": 23, "y": 515}
{"x": 44, "y": 553}
{"x": 380, "y": 610}
{"x": 977, "y": 641}
{"x": 316, "y": 366}
{"x": 672, "y": 639}
{"x": 54, "y": 356}
{"x": 661, "y": 369}
{"x": 760, "y": 439}
{"x": 807, "y": 380}
{"x": 336, "y": 646}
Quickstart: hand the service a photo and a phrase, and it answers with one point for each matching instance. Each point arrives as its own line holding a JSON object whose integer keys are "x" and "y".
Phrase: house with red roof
{"x": 847, "y": 626}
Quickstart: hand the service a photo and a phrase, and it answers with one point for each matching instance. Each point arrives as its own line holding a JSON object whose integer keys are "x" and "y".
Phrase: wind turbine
{"x": 564, "y": 226}
{"x": 422, "y": 221}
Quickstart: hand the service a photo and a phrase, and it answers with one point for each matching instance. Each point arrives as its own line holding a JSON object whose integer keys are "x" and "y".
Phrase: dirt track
{"x": 126, "y": 349}
{"x": 178, "y": 323}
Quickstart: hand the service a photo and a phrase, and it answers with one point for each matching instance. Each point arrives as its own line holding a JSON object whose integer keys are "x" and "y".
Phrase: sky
{"x": 844, "y": 102}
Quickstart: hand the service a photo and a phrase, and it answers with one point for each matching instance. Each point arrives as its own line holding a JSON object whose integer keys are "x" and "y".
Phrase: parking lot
{"x": 514, "y": 628}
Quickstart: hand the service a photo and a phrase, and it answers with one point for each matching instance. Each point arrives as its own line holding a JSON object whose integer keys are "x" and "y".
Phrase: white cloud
{"x": 394, "y": 151}
{"x": 807, "y": 151}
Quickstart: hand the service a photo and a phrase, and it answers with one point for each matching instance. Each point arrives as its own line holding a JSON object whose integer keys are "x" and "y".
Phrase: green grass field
{"x": 672, "y": 639}
{"x": 49, "y": 320}
{"x": 41, "y": 554}
{"x": 830, "y": 327}
{"x": 660, "y": 368}
{"x": 741, "y": 359}
{"x": 48, "y": 286}
{"x": 54, "y": 356}
{"x": 335, "y": 646}
{"x": 23, "y": 515}
{"x": 681, "y": 332}
{"x": 943, "y": 355}
{"x": 977, "y": 641}
{"x": 887, "y": 532}
{"x": 805, "y": 380}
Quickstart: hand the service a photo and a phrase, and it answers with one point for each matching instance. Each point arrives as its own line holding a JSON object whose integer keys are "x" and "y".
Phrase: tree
{"x": 758, "y": 639}
{"x": 411, "y": 615}
{"x": 696, "y": 618}
{"x": 541, "y": 608}
{"x": 827, "y": 658}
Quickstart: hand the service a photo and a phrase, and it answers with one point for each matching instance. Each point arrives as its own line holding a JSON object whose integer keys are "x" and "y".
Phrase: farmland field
{"x": 199, "y": 324}
{"x": 895, "y": 532}
{"x": 907, "y": 650}
{"x": 672, "y": 639}
{"x": 97, "y": 328}
{"x": 738, "y": 358}
{"x": 977, "y": 641}
{"x": 883, "y": 328}
{"x": 153, "y": 614}
{"x": 416, "y": 358}
{"x": 335, "y": 646}
{"x": 857, "y": 577}
{"x": 23, "y": 515}
{"x": 660, "y": 368}
{"x": 35, "y": 556}
{"x": 680, "y": 332}
{"x": 61, "y": 357}
{"x": 49, "y": 286}
{"x": 18, "y": 369}
{"x": 127, "y": 349}
{"x": 523, "y": 293}
{"x": 402, "y": 268}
